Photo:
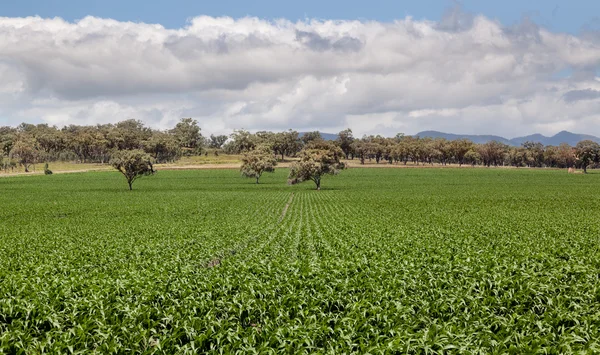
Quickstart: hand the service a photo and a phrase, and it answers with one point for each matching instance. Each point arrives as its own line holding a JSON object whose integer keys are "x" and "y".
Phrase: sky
{"x": 380, "y": 67}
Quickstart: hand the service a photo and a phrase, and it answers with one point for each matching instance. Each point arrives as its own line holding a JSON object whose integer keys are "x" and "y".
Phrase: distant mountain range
{"x": 561, "y": 137}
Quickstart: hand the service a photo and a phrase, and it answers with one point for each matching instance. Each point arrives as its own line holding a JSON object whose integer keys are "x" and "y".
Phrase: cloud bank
{"x": 465, "y": 73}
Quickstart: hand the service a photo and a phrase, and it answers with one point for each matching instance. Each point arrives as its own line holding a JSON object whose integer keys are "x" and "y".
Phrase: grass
{"x": 191, "y": 161}
{"x": 379, "y": 261}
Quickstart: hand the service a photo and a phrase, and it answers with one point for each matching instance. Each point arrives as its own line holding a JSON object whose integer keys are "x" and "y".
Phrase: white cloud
{"x": 464, "y": 74}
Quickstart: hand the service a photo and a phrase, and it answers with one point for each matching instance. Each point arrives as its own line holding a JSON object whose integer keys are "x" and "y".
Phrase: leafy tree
{"x": 133, "y": 164}
{"x": 587, "y": 151}
{"x": 311, "y": 136}
{"x": 187, "y": 133}
{"x": 129, "y": 135}
{"x": 534, "y": 154}
{"x": 290, "y": 143}
{"x": 344, "y": 141}
{"x": 459, "y": 148}
{"x": 565, "y": 155}
{"x": 442, "y": 150}
{"x": 315, "y": 162}
{"x": 517, "y": 156}
{"x": 216, "y": 142}
{"x": 24, "y": 151}
{"x": 257, "y": 162}
{"x": 492, "y": 153}
{"x": 472, "y": 157}
{"x": 92, "y": 143}
{"x": 7, "y": 138}
{"x": 551, "y": 156}
{"x": 163, "y": 147}
{"x": 241, "y": 141}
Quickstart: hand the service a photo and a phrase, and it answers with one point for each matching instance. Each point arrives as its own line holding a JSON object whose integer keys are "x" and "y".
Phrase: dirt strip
{"x": 285, "y": 209}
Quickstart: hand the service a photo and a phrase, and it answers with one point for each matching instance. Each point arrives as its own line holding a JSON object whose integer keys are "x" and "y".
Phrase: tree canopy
{"x": 257, "y": 162}
{"x": 315, "y": 162}
{"x": 133, "y": 164}
{"x": 587, "y": 151}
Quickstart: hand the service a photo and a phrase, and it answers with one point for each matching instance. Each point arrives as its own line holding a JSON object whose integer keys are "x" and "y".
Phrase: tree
{"x": 24, "y": 151}
{"x": 187, "y": 133}
{"x": 315, "y": 162}
{"x": 129, "y": 135}
{"x": 311, "y": 136}
{"x": 344, "y": 141}
{"x": 216, "y": 142}
{"x": 241, "y": 141}
{"x": 565, "y": 155}
{"x": 257, "y": 162}
{"x": 133, "y": 164}
{"x": 459, "y": 149}
{"x": 492, "y": 152}
{"x": 586, "y": 152}
{"x": 7, "y": 138}
{"x": 291, "y": 143}
{"x": 534, "y": 156}
{"x": 163, "y": 147}
{"x": 472, "y": 157}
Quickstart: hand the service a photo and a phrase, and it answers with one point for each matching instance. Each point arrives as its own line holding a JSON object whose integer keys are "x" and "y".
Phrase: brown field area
{"x": 220, "y": 162}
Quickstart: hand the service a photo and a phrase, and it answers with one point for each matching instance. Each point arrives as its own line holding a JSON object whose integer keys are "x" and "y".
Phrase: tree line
{"x": 29, "y": 144}
{"x": 415, "y": 150}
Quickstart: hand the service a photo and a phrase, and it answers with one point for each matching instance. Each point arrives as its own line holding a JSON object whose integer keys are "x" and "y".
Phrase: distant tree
{"x": 565, "y": 155}
{"x": 472, "y": 157}
{"x": 24, "y": 151}
{"x": 128, "y": 135}
{"x": 163, "y": 147}
{"x": 344, "y": 141}
{"x": 311, "y": 136}
{"x": 492, "y": 153}
{"x": 534, "y": 156}
{"x": 187, "y": 133}
{"x": 399, "y": 137}
{"x": 257, "y": 162}
{"x": 459, "y": 148}
{"x": 133, "y": 164}
{"x": 7, "y": 138}
{"x": 241, "y": 141}
{"x": 442, "y": 150}
{"x": 315, "y": 162}
{"x": 216, "y": 142}
{"x": 361, "y": 150}
{"x": 551, "y": 156}
{"x": 587, "y": 151}
{"x": 291, "y": 143}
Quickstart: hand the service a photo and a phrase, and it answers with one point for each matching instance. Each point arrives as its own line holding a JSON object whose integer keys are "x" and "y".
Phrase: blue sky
{"x": 560, "y": 16}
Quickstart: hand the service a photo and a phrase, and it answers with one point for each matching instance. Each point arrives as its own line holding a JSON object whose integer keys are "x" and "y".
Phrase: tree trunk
{"x": 130, "y": 185}
{"x": 584, "y": 168}
{"x": 318, "y": 185}
{"x": 258, "y": 177}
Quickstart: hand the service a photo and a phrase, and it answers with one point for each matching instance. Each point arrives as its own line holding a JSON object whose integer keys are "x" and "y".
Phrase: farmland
{"x": 378, "y": 261}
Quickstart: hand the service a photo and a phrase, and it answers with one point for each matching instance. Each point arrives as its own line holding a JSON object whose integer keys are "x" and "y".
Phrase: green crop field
{"x": 379, "y": 261}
